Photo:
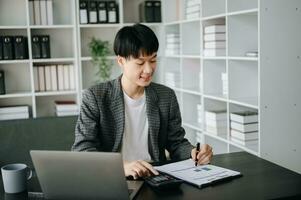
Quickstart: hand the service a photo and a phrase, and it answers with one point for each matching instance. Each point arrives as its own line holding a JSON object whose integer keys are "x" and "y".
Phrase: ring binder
{"x": 8, "y": 48}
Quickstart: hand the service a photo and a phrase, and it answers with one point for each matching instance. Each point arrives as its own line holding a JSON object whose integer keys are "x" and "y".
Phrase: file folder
{"x": 112, "y": 9}
{"x": 157, "y": 11}
{"x": 83, "y": 12}
{"x": 146, "y": 11}
{"x": 1, "y": 48}
{"x": 36, "y": 47}
{"x": 102, "y": 12}
{"x": 21, "y": 49}
{"x": 2, "y": 82}
{"x": 45, "y": 46}
{"x": 8, "y": 48}
{"x": 92, "y": 12}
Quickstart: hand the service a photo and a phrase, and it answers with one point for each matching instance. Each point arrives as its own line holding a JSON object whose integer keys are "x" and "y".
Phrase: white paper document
{"x": 198, "y": 175}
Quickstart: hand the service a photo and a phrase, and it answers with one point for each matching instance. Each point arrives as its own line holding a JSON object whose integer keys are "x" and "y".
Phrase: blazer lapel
{"x": 153, "y": 116}
{"x": 117, "y": 110}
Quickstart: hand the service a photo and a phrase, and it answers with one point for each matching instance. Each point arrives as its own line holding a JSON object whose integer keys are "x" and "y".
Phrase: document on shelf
{"x": 197, "y": 175}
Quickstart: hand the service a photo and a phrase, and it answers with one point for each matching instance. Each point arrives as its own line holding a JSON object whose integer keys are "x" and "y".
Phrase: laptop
{"x": 82, "y": 175}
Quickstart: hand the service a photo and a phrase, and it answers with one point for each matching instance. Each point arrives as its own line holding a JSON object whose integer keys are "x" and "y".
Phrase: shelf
{"x": 173, "y": 56}
{"x": 214, "y": 17}
{"x": 51, "y": 26}
{"x": 222, "y": 139}
{"x": 213, "y": 97}
{"x": 189, "y": 21}
{"x": 191, "y": 92}
{"x": 172, "y": 23}
{"x": 194, "y": 126}
{"x": 53, "y": 60}
{"x": 117, "y": 25}
{"x": 247, "y": 102}
{"x": 244, "y": 148}
{"x": 55, "y": 93}
{"x": 88, "y": 58}
{"x": 243, "y": 12}
{"x": 191, "y": 56}
{"x": 14, "y": 61}
{"x": 214, "y": 58}
{"x": 14, "y": 95}
{"x": 13, "y": 27}
{"x": 144, "y": 23}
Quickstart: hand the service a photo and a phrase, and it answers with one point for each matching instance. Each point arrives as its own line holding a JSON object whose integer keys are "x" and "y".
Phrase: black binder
{"x": 157, "y": 11}
{"x": 36, "y": 47}
{"x": 8, "y": 48}
{"x": 45, "y": 46}
{"x": 102, "y": 12}
{"x": 1, "y": 48}
{"x": 112, "y": 10}
{"x": 146, "y": 11}
{"x": 2, "y": 82}
{"x": 83, "y": 12}
{"x": 92, "y": 12}
{"x": 20, "y": 47}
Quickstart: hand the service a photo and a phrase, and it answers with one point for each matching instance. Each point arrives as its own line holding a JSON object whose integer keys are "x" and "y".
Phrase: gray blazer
{"x": 100, "y": 125}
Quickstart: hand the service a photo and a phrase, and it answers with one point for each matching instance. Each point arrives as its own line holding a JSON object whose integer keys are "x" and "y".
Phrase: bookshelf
{"x": 198, "y": 77}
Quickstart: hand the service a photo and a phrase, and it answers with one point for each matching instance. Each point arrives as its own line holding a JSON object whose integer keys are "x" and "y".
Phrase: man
{"x": 133, "y": 115}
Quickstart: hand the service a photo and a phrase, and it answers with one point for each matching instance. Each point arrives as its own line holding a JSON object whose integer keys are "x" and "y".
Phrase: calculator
{"x": 163, "y": 181}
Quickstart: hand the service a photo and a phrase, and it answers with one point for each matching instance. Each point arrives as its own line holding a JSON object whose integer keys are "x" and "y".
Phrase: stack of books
{"x": 14, "y": 112}
{"x": 172, "y": 79}
{"x": 172, "y": 44}
{"x": 54, "y": 77}
{"x": 216, "y": 122}
{"x": 40, "y": 45}
{"x": 215, "y": 40}
{"x": 192, "y": 9}
{"x": 225, "y": 83}
{"x": 2, "y": 82}
{"x": 41, "y": 12}
{"x": 150, "y": 11}
{"x": 66, "y": 108}
{"x": 244, "y": 128}
{"x": 13, "y": 47}
{"x": 199, "y": 111}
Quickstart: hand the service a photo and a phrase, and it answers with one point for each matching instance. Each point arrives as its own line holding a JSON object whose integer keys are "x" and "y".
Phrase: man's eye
{"x": 140, "y": 63}
{"x": 153, "y": 61}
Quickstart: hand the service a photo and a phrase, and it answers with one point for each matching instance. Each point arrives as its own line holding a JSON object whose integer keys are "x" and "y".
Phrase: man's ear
{"x": 120, "y": 61}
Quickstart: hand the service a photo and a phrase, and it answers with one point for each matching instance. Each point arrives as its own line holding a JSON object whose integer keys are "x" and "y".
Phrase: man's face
{"x": 139, "y": 71}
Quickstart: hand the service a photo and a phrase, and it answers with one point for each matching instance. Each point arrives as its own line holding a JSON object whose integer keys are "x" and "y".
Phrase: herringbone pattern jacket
{"x": 100, "y": 125}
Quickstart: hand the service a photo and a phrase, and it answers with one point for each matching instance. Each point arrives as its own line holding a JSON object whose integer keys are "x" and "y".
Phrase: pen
{"x": 196, "y": 154}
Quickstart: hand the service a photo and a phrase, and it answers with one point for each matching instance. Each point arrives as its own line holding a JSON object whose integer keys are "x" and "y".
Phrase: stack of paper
{"x": 66, "y": 108}
{"x": 215, "y": 40}
{"x": 193, "y": 8}
{"x": 172, "y": 44}
{"x": 14, "y": 112}
{"x": 216, "y": 122}
{"x": 244, "y": 128}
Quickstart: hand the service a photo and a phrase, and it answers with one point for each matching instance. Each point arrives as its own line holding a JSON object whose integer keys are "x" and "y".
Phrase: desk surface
{"x": 261, "y": 180}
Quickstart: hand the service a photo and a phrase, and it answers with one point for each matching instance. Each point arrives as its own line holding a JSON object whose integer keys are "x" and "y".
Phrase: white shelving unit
{"x": 200, "y": 77}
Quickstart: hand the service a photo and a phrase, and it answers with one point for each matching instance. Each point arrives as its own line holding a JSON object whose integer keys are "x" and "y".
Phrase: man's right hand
{"x": 138, "y": 169}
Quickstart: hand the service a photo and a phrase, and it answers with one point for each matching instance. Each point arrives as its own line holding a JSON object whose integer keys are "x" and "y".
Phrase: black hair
{"x": 134, "y": 41}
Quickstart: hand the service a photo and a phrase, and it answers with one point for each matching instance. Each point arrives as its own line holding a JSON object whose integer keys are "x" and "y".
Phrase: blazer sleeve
{"x": 178, "y": 147}
{"x": 87, "y": 126}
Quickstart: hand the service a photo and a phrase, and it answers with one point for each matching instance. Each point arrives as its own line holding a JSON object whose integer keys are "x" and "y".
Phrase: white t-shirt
{"x": 135, "y": 136}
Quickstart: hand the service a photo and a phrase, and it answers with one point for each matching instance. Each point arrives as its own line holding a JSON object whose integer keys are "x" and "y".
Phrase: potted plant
{"x": 100, "y": 51}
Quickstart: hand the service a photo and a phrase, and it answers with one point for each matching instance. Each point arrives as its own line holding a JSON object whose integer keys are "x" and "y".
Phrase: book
{"x": 215, "y": 45}
{"x": 92, "y": 12}
{"x": 102, "y": 12}
{"x": 157, "y": 11}
{"x": 20, "y": 47}
{"x": 244, "y": 136}
{"x": 31, "y": 12}
{"x": 36, "y": 79}
{"x": 214, "y": 52}
{"x": 197, "y": 175}
{"x": 66, "y": 107}
{"x": 14, "y": 116}
{"x": 53, "y": 77}
{"x": 49, "y": 8}
{"x": 43, "y": 10}
{"x": 37, "y": 12}
{"x": 146, "y": 11}
{"x": 48, "y": 83}
{"x": 216, "y": 123}
{"x": 244, "y": 142}
{"x": 36, "y": 47}
{"x": 244, "y": 117}
{"x": 112, "y": 10}
{"x": 45, "y": 46}
{"x": 216, "y": 114}
{"x": 215, "y": 29}
{"x": 83, "y": 12}
{"x": 214, "y": 37}
{"x": 244, "y": 127}
{"x": 1, "y": 47}
{"x": 71, "y": 77}
{"x": 2, "y": 82}
{"x": 70, "y": 113}
{"x": 13, "y": 109}
{"x": 8, "y": 48}
{"x": 41, "y": 71}
{"x": 60, "y": 77}
{"x": 66, "y": 77}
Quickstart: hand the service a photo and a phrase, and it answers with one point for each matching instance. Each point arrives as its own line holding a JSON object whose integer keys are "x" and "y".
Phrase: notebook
{"x": 197, "y": 175}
